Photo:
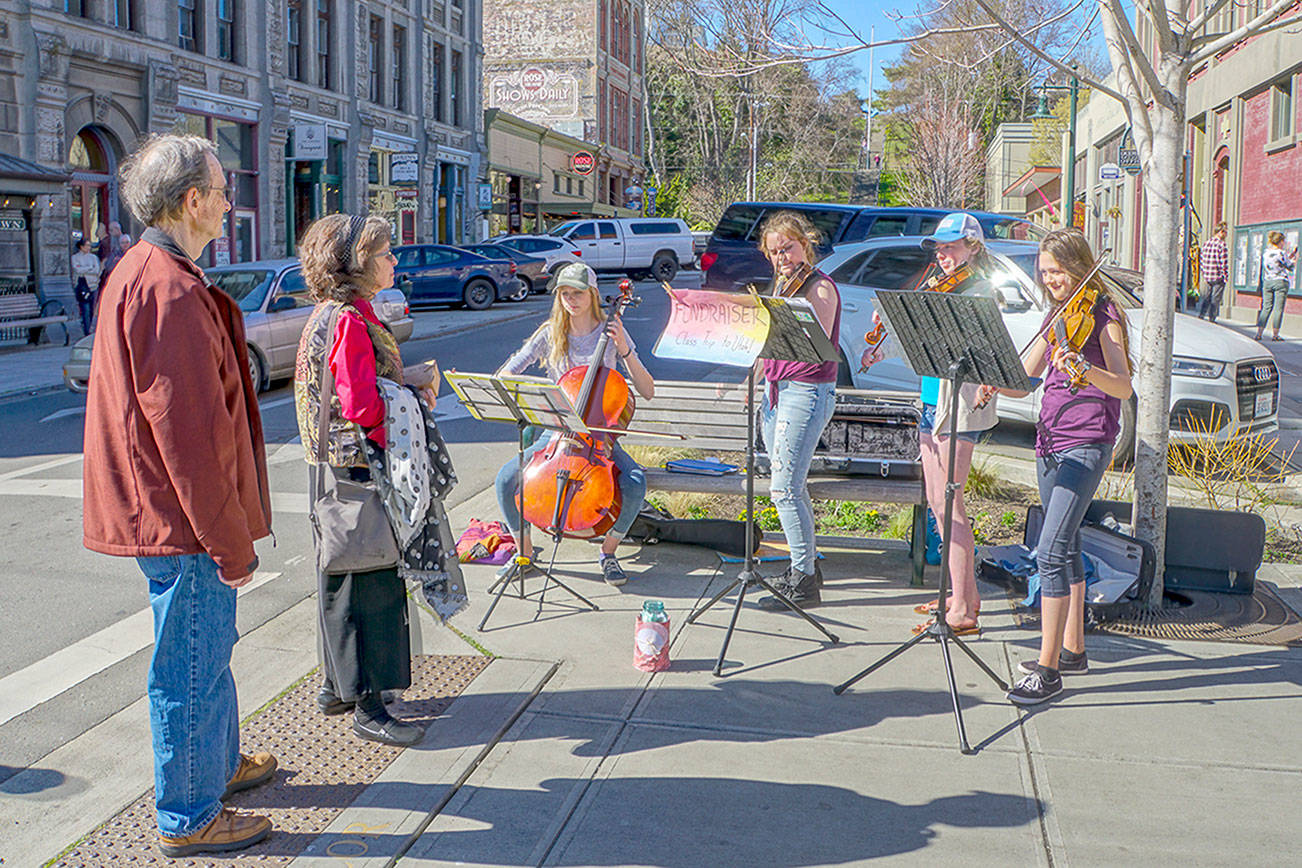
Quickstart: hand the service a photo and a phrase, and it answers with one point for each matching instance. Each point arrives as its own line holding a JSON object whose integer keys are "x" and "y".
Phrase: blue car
{"x": 439, "y": 274}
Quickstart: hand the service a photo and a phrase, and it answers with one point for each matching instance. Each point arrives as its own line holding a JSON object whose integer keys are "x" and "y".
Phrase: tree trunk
{"x": 1163, "y": 179}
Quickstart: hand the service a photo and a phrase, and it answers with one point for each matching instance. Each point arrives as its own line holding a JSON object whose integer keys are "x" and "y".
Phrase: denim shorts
{"x": 928, "y": 422}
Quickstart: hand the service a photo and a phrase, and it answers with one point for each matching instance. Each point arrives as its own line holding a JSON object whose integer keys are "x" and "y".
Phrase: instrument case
{"x": 1131, "y": 558}
{"x": 1206, "y": 549}
{"x": 870, "y": 434}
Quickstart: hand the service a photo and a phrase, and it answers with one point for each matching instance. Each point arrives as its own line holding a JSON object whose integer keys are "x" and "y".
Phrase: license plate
{"x": 1265, "y": 404}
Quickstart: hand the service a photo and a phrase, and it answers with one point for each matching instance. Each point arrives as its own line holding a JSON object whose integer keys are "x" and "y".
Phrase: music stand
{"x": 964, "y": 339}
{"x": 794, "y": 335}
{"x": 523, "y": 401}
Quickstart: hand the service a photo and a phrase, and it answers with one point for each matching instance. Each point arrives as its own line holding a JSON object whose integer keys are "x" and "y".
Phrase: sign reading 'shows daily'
{"x": 535, "y": 94}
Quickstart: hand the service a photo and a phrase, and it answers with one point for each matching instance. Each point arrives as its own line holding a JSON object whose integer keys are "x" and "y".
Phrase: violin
{"x": 936, "y": 283}
{"x": 571, "y": 487}
{"x": 792, "y": 284}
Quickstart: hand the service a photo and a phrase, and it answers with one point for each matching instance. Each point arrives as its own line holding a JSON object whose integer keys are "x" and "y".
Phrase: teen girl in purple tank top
{"x": 798, "y": 404}
{"x": 1073, "y": 448}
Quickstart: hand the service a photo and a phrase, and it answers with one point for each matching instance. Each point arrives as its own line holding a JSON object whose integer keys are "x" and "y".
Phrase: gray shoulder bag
{"x": 353, "y": 534}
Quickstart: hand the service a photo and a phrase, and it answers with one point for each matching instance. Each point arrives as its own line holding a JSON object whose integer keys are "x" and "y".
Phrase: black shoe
{"x": 1038, "y": 686}
{"x": 330, "y": 703}
{"x": 386, "y": 729}
{"x": 1068, "y": 664}
{"x": 803, "y": 589}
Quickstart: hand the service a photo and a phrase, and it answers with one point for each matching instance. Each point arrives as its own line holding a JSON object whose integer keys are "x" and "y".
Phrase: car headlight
{"x": 1201, "y": 368}
{"x": 81, "y": 354}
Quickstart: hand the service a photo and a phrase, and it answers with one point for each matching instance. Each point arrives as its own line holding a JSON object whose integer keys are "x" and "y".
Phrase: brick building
{"x": 316, "y": 106}
{"x": 575, "y": 67}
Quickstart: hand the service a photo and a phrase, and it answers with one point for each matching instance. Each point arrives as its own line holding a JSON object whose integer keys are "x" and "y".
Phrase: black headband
{"x": 355, "y": 225}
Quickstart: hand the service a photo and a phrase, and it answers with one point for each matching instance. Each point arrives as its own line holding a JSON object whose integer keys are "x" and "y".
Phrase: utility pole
{"x": 868, "y": 113}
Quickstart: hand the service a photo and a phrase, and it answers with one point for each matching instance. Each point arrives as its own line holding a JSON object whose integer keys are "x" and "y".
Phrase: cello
{"x": 571, "y": 487}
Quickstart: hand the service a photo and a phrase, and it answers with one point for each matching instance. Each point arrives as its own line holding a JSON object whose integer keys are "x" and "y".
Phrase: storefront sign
{"x": 536, "y": 94}
{"x": 485, "y": 197}
{"x": 13, "y": 224}
{"x": 583, "y": 162}
{"x": 406, "y": 194}
{"x": 309, "y": 142}
{"x": 196, "y": 101}
{"x": 404, "y": 168}
{"x": 221, "y": 251}
{"x": 650, "y": 200}
{"x": 1128, "y": 157}
{"x": 1078, "y": 215}
{"x": 452, "y": 155}
{"x": 1109, "y": 172}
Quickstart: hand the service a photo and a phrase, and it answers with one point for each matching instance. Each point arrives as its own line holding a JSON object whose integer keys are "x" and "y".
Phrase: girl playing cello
{"x": 567, "y": 340}
{"x": 1079, "y": 419}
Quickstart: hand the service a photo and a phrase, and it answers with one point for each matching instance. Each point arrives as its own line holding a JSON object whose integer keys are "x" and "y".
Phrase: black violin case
{"x": 869, "y": 435}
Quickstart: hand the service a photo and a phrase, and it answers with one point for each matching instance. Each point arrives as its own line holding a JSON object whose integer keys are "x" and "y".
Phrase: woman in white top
{"x": 85, "y": 276}
{"x": 1277, "y": 266}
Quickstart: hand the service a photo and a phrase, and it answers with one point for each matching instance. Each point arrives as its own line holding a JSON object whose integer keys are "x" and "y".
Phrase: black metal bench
{"x": 23, "y": 310}
{"x": 717, "y": 423}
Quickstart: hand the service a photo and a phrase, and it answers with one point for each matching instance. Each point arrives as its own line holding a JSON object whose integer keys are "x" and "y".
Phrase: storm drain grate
{"x": 1259, "y": 618}
{"x": 324, "y": 767}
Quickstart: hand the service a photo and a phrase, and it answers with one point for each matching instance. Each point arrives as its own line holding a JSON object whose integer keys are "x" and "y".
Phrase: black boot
{"x": 803, "y": 589}
{"x": 372, "y": 721}
{"x": 329, "y": 702}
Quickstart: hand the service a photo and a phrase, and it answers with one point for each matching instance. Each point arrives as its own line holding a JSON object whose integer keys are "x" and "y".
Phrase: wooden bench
{"x": 718, "y": 424}
{"x": 24, "y": 310}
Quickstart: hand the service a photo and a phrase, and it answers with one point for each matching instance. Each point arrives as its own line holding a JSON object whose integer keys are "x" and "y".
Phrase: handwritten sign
{"x": 718, "y": 327}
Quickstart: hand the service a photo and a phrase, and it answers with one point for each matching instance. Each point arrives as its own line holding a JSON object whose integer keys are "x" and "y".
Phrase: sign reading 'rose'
{"x": 583, "y": 162}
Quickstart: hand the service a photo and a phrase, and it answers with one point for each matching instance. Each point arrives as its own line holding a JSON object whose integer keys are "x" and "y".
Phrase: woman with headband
{"x": 365, "y": 637}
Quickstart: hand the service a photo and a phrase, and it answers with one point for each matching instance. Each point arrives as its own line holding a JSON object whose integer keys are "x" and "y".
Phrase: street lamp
{"x": 1041, "y": 113}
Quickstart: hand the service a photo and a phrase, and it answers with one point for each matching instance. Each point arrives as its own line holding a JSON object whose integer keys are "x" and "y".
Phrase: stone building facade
{"x": 316, "y": 106}
{"x": 576, "y": 67}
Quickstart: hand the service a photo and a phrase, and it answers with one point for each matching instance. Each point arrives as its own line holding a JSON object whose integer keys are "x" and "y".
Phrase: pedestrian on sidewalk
{"x": 1215, "y": 263}
{"x": 176, "y": 477}
{"x": 1277, "y": 266}
{"x": 1080, "y": 414}
{"x": 85, "y": 275}
{"x": 365, "y": 635}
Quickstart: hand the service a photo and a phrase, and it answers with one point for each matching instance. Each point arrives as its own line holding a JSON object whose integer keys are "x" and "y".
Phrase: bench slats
{"x": 859, "y": 488}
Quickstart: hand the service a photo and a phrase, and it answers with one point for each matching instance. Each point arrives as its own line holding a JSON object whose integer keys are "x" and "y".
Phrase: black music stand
{"x": 963, "y": 339}
{"x": 794, "y": 335}
{"x": 523, "y": 401}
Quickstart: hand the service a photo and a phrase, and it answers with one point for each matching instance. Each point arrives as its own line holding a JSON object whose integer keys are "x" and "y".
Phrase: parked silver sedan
{"x": 276, "y": 306}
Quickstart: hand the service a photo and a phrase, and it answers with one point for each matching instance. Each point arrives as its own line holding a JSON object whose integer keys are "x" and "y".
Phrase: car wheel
{"x": 478, "y": 295}
{"x": 255, "y": 370}
{"x": 1124, "y": 452}
{"x": 522, "y": 293}
{"x": 664, "y": 267}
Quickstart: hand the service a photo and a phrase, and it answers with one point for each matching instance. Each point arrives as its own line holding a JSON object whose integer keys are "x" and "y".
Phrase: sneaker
{"x": 1068, "y": 664}
{"x": 612, "y": 572}
{"x": 253, "y": 771}
{"x": 1038, "y": 686}
{"x": 229, "y": 830}
{"x": 803, "y": 589}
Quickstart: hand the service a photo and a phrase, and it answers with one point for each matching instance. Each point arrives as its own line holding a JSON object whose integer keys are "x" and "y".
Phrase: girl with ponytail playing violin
{"x": 965, "y": 267}
{"x": 1089, "y": 377}
{"x": 568, "y": 340}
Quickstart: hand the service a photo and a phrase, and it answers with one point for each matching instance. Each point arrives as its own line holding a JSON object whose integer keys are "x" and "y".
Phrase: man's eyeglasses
{"x": 227, "y": 191}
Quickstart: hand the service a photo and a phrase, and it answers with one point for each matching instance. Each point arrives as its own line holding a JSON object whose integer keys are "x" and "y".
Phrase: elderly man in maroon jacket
{"x": 176, "y": 477}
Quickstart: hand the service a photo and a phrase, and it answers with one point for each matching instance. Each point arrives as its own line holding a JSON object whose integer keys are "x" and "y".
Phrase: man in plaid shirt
{"x": 1215, "y": 262}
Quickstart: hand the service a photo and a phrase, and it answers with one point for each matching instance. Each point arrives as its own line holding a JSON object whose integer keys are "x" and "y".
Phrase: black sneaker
{"x": 1068, "y": 664}
{"x": 1038, "y": 686}
{"x": 378, "y": 725}
{"x": 612, "y": 572}
{"x": 803, "y": 589}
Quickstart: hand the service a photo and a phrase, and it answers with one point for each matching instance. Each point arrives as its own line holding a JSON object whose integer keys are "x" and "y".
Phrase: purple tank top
{"x": 1090, "y": 415}
{"x": 807, "y": 372}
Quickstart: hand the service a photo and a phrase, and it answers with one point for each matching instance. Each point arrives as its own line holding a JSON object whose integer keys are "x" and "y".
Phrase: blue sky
{"x": 863, "y": 15}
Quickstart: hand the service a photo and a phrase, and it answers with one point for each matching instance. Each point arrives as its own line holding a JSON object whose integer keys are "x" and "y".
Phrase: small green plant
{"x": 697, "y": 511}
{"x": 767, "y": 518}
{"x": 979, "y": 536}
{"x": 900, "y": 525}
{"x": 983, "y": 480}
{"x": 1008, "y": 519}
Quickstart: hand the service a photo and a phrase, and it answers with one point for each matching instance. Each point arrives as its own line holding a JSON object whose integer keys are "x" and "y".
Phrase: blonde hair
{"x": 1072, "y": 252}
{"x": 558, "y": 326}
{"x": 333, "y": 269}
{"x": 793, "y": 225}
{"x": 1275, "y": 238}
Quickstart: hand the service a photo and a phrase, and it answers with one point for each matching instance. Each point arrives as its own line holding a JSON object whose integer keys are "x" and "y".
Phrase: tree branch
{"x": 1124, "y": 64}
{"x": 1203, "y": 17}
{"x": 1156, "y": 11}
{"x": 1012, "y": 31}
{"x": 1140, "y": 59}
{"x": 1257, "y": 24}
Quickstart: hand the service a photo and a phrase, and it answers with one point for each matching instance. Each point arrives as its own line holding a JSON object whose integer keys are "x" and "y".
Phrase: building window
{"x": 635, "y": 121}
{"x": 293, "y": 27}
{"x": 188, "y": 29}
{"x": 399, "y": 64}
{"x": 454, "y": 88}
{"x": 458, "y": 16}
{"x": 120, "y": 13}
{"x": 581, "y": 183}
{"x": 323, "y": 43}
{"x": 602, "y": 16}
{"x": 556, "y": 182}
{"x": 639, "y": 44}
{"x": 436, "y": 79}
{"x": 619, "y": 118}
{"x": 375, "y": 59}
{"x": 438, "y": 13}
{"x": 333, "y": 179}
{"x": 237, "y": 151}
{"x": 1281, "y": 110}
{"x": 226, "y": 30}
{"x": 75, "y": 7}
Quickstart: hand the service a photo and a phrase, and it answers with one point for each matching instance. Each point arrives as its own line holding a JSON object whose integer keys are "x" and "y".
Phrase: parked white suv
{"x": 641, "y": 247}
{"x": 1220, "y": 379}
{"x": 557, "y": 252}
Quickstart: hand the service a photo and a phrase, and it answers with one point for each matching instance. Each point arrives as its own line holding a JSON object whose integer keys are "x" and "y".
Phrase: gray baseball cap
{"x": 576, "y": 275}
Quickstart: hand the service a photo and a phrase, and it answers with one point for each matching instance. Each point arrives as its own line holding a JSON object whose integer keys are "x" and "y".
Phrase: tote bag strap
{"x": 327, "y": 392}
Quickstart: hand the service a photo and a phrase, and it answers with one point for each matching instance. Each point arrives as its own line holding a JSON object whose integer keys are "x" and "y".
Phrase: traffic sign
{"x": 1109, "y": 172}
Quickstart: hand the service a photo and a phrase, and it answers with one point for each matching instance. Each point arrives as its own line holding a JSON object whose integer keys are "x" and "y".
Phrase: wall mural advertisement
{"x": 536, "y": 94}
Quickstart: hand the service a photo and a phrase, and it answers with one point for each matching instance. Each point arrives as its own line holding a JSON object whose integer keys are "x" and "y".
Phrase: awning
{"x": 1034, "y": 178}
{"x": 16, "y": 167}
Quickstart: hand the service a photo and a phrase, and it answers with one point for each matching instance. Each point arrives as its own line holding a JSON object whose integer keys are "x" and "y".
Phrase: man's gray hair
{"x": 157, "y": 176}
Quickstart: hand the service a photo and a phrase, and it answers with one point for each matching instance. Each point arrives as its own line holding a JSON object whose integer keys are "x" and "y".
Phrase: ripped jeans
{"x": 791, "y": 432}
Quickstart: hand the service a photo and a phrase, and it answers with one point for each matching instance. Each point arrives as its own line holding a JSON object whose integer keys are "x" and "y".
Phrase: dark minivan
{"x": 732, "y": 258}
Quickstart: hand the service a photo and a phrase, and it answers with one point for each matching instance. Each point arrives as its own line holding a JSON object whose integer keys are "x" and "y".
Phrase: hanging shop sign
{"x": 406, "y": 194}
{"x": 1109, "y": 172}
{"x": 1128, "y": 156}
{"x": 404, "y": 168}
{"x": 309, "y": 142}
{"x": 583, "y": 162}
{"x": 485, "y": 197}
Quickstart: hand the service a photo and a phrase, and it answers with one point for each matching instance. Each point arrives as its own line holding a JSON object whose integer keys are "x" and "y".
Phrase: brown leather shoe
{"x": 229, "y": 830}
{"x": 253, "y": 771}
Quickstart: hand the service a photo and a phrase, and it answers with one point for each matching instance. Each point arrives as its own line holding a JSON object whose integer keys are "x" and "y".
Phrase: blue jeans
{"x": 1068, "y": 481}
{"x": 631, "y": 482}
{"x": 791, "y": 432}
{"x": 193, "y": 711}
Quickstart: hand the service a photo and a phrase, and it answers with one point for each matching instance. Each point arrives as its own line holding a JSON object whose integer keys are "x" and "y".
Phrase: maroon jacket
{"x": 174, "y": 458}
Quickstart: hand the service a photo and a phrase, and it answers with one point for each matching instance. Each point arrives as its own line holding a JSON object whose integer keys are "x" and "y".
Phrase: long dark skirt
{"x": 365, "y": 635}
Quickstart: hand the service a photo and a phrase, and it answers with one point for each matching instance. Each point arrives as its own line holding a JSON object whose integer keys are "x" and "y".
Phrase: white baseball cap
{"x": 954, "y": 226}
